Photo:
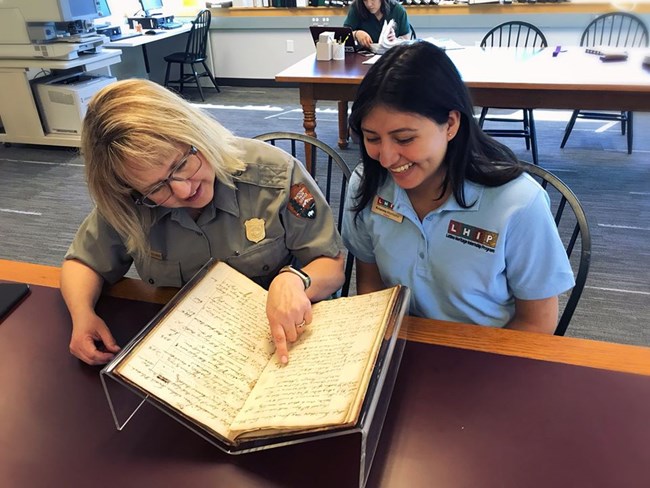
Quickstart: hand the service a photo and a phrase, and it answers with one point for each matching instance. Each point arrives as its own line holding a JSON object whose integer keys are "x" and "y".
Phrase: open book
{"x": 210, "y": 359}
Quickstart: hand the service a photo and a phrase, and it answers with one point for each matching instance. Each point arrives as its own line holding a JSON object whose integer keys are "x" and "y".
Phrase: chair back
{"x": 328, "y": 169}
{"x": 616, "y": 29}
{"x": 573, "y": 229}
{"x": 514, "y": 34}
{"x": 197, "y": 40}
{"x": 414, "y": 36}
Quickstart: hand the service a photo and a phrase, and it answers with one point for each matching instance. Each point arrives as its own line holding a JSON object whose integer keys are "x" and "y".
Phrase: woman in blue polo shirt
{"x": 366, "y": 19}
{"x": 439, "y": 206}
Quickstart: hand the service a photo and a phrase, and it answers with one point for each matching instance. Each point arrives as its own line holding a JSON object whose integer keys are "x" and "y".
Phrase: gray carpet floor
{"x": 44, "y": 198}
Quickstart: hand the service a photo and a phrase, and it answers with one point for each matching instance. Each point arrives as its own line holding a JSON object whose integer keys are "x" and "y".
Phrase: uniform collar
{"x": 397, "y": 196}
{"x": 225, "y": 200}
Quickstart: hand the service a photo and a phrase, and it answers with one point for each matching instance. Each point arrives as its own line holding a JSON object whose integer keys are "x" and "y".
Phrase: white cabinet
{"x": 19, "y": 116}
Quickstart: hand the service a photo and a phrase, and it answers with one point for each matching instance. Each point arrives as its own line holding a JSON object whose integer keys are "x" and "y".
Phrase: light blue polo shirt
{"x": 464, "y": 265}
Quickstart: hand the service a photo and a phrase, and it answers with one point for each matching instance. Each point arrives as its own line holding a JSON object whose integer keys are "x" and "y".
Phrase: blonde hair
{"x": 140, "y": 121}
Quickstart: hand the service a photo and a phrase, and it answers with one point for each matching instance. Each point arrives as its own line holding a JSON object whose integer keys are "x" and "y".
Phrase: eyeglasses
{"x": 185, "y": 169}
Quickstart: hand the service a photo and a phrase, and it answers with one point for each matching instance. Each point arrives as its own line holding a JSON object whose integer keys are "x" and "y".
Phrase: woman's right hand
{"x": 91, "y": 340}
{"x": 363, "y": 38}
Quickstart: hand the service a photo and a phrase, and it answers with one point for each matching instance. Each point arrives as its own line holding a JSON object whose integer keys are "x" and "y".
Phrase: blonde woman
{"x": 173, "y": 188}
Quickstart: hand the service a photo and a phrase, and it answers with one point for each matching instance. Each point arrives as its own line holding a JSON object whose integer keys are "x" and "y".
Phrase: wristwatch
{"x": 306, "y": 280}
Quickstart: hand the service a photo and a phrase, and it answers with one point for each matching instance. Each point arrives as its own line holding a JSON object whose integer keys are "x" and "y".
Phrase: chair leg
{"x": 181, "y": 79}
{"x": 528, "y": 114}
{"x": 623, "y": 122}
{"x": 343, "y": 123}
{"x": 481, "y": 119}
{"x": 569, "y": 127}
{"x": 169, "y": 65}
{"x": 629, "y": 132}
{"x": 209, "y": 73}
{"x": 197, "y": 81}
{"x": 533, "y": 137}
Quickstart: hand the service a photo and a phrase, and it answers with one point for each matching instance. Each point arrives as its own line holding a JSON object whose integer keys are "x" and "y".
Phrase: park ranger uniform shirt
{"x": 275, "y": 215}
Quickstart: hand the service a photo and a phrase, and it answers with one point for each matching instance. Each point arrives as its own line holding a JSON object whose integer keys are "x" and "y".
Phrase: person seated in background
{"x": 173, "y": 188}
{"x": 366, "y": 19}
{"x": 439, "y": 206}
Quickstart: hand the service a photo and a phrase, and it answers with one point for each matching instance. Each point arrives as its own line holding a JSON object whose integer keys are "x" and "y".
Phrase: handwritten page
{"x": 329, "y": 365}
{"x": 211, "y": 359}
{"x": 204, "y": 358}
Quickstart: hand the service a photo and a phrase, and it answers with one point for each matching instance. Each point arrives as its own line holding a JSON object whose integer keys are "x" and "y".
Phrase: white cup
{"x": 338, "y": 51}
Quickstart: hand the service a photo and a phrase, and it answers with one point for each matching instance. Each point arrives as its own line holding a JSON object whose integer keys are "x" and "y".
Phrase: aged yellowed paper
{"x": 211, "y": 359}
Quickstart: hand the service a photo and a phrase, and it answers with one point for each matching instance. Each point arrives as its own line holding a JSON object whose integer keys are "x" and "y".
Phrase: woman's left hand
{"x": 289, "y": 311}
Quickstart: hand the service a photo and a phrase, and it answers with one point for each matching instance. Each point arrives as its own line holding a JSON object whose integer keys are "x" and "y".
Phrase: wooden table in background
{"x": 496, "y": 77}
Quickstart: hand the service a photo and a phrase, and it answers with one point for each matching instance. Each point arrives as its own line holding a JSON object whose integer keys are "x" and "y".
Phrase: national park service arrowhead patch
{"x": 301, "y": 202}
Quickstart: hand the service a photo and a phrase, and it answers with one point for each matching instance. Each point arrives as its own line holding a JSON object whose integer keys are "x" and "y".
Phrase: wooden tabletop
{"x": 38, "y": 274}
{"x": 571, "y": 70}
{"x": 511, "y": 76}
{"x": 568, "y": 350}
{"x": 349, "y": 71}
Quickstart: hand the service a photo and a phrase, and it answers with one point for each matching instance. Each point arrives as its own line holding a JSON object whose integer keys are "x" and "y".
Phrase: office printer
{"x": 52, "y": 29}
{"x": 62, "y": 100}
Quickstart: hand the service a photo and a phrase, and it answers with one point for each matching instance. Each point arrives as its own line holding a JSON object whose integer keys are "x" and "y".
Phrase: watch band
{"x": 306, "y": 280}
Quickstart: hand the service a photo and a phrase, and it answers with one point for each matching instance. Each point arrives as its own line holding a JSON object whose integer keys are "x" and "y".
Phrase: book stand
{"x": 353, "y": 446}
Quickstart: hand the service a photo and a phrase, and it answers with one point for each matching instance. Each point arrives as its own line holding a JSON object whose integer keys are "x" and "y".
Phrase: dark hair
{"x": 386, "y": 7}
{"x": 419, "y": 78}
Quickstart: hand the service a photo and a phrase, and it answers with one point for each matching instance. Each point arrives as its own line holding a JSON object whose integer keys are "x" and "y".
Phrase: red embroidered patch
{"x": 301, "y": 202}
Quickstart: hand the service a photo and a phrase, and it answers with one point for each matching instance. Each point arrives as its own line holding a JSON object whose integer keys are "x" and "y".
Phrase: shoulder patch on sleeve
{"x": 301, "y": 202}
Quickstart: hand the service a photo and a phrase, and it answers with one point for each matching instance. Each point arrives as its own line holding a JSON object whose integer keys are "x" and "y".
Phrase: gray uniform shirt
{"x": 275, "y": 188}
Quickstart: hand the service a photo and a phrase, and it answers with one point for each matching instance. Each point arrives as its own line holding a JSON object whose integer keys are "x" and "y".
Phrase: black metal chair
{"x": 195, "y": 53}
{"x": 413, "y": 34}
{"x": 514, "y": 34}
{"x": 572, "y": 228}
{"x": 616, "y": 29}
{"x": 332, "y": 178}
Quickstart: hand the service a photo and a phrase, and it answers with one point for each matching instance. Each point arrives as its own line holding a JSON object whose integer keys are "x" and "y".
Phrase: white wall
{"x": 257, "y": 55}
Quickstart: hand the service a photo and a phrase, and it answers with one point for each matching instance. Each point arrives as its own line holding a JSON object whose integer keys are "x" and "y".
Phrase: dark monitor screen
{"x": 151, "y": 5}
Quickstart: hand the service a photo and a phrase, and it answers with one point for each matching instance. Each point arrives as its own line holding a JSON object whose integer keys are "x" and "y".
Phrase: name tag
{"x": 385, "y": 209}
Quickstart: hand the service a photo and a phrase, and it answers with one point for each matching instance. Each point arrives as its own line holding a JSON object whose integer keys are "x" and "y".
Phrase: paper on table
{"x": 387, "y": 38}
{"x": 372, "y": 60}
{"x": 444, "y": 43}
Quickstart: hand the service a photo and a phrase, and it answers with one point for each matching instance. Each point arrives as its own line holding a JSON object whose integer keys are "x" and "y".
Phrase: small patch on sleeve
{"x": 301, "y": 202}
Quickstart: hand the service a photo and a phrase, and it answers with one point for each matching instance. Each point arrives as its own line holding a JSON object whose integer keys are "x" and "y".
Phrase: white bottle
{"x": 323, "y": 51}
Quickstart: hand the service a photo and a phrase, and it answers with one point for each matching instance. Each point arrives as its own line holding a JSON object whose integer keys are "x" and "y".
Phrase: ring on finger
{"x": 301, "y": 324}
